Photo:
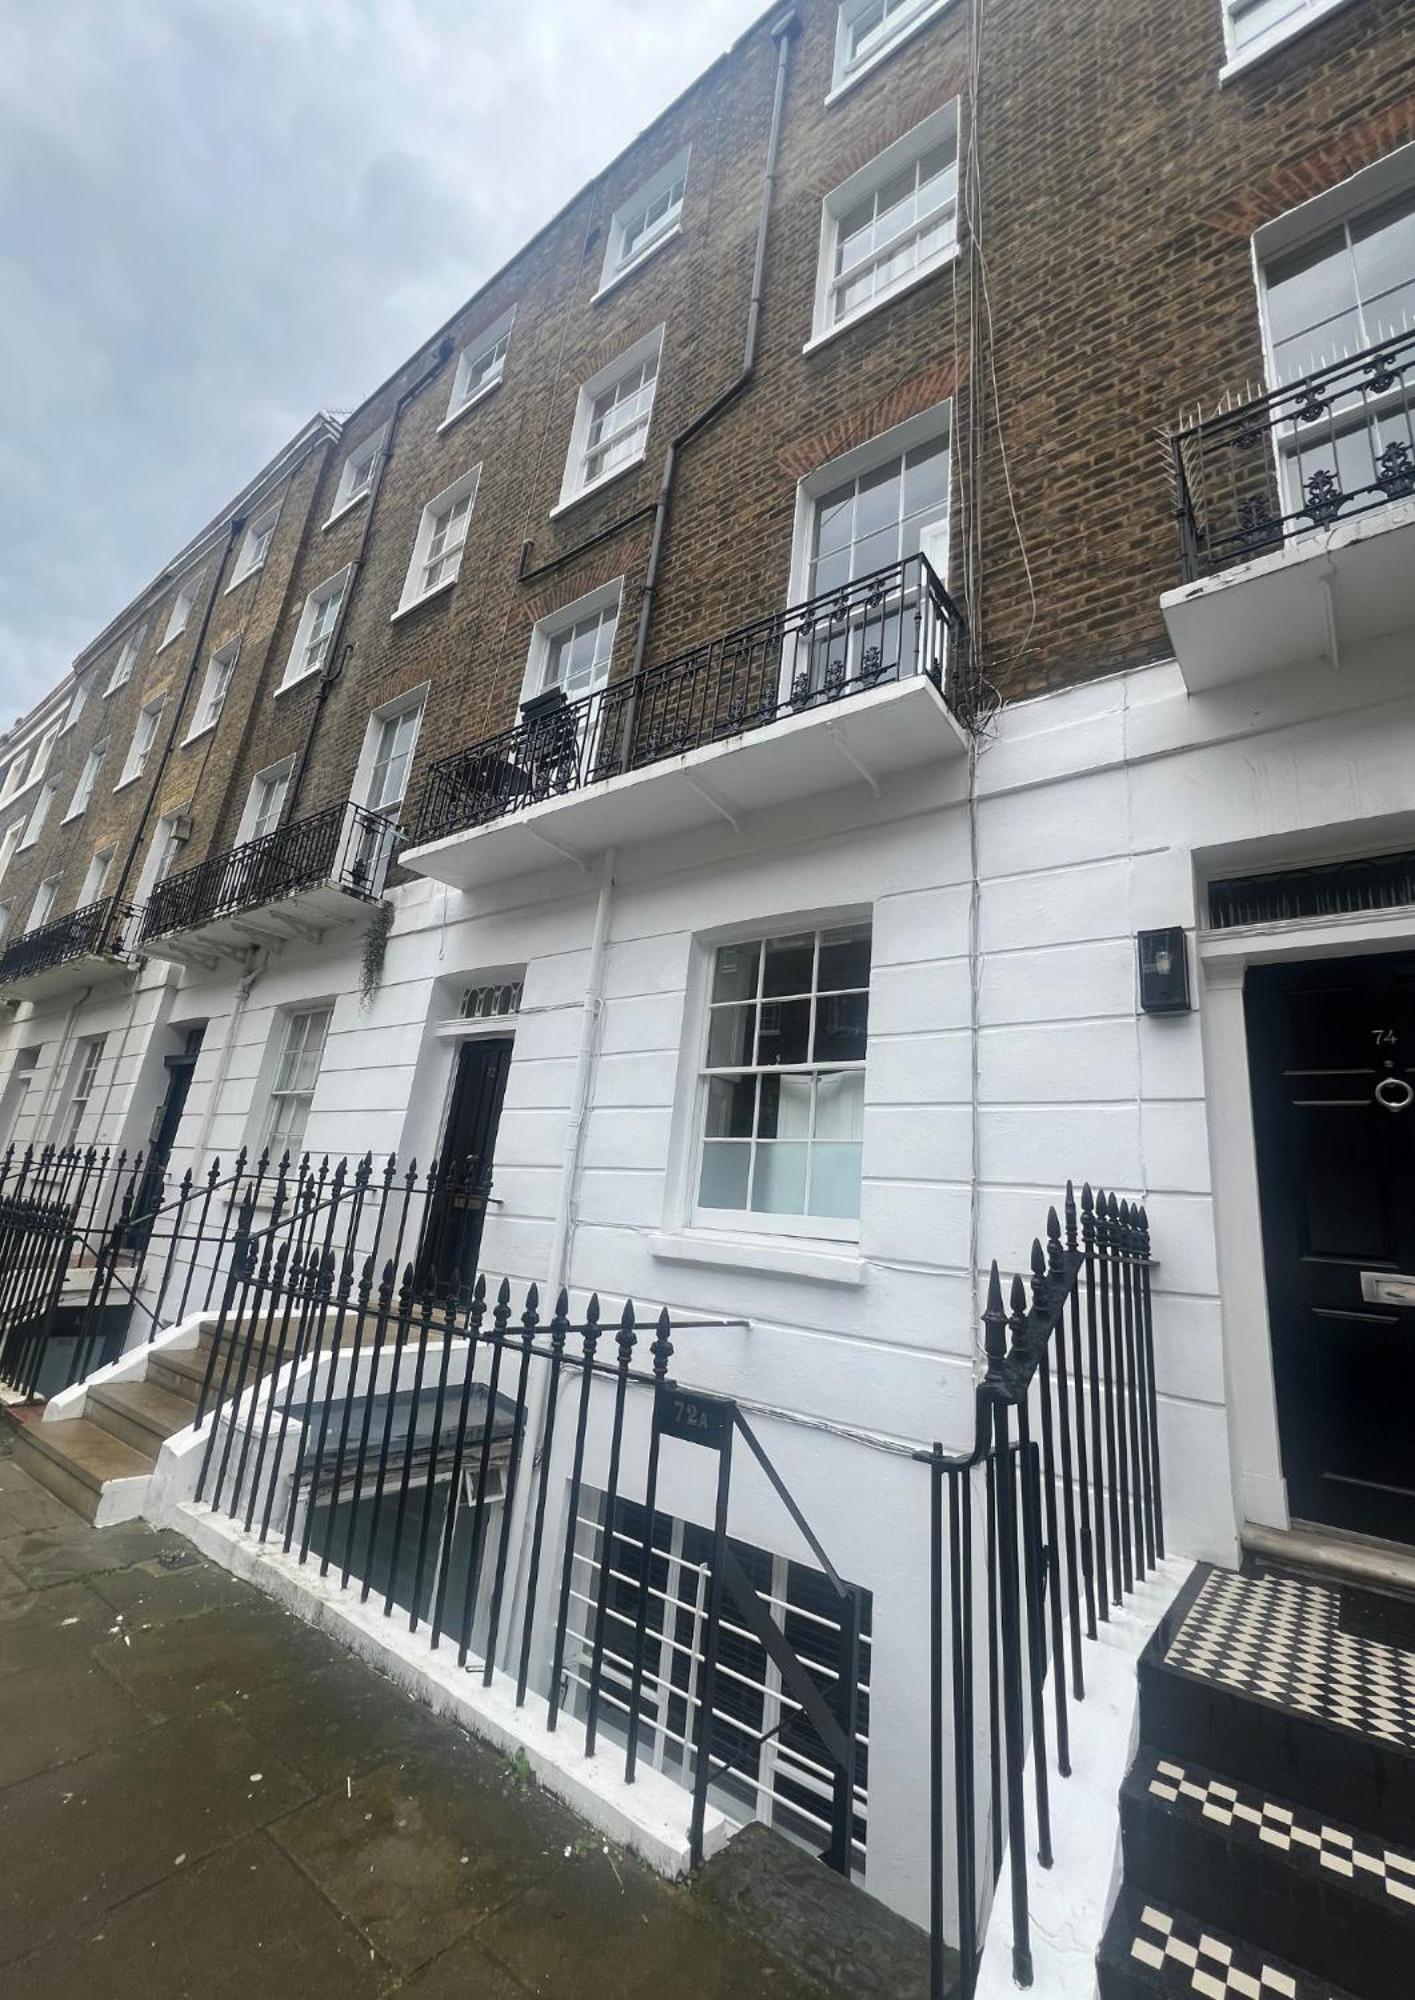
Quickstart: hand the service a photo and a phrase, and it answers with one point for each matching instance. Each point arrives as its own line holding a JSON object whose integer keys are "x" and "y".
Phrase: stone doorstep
{"x": 649, "y": 1817}
{"x": 1154, "y": 1947}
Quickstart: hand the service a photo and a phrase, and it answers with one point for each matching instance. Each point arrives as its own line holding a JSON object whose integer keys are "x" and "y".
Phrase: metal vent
{"x": 488, "y": 1003}
{"x": 1342, "y": 888}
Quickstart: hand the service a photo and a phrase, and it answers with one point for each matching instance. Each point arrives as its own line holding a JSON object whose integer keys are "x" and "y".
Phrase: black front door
{"x": 168, "y": 1118}
{"x": 1331, "y": 1048}
{"x": 452, "y": 1237}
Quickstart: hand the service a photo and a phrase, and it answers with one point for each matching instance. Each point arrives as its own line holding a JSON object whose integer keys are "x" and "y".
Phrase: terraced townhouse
{"x": 864, "y": 677}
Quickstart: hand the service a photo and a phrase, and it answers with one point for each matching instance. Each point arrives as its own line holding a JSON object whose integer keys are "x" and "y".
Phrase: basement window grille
{"x": 491, "y": 1003}
{"x": 1342, "y": 888}
{"x": 784, "y": 1781}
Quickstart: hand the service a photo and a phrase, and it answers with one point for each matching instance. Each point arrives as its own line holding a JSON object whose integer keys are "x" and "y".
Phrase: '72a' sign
{"x": 696, "y": 1419}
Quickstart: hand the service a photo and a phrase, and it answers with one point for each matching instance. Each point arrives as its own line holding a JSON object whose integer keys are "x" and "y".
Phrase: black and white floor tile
{"x": 1190, "y": 1959}
{"x": 1303, "y": 1836}
{"x": 1279, "y": 1638}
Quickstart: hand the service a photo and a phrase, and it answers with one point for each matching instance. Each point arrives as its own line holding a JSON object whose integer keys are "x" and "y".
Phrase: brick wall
{"x": 1120, "y": 185}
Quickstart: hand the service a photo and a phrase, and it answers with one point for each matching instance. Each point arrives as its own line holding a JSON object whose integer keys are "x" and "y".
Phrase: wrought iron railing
{"x": 344, "y": 846}
{"x": 95, "y": 931}
{"x": 1336, "y": 444}
{"x": 1049, "y": 1522}
{"x": 894, "y": 625}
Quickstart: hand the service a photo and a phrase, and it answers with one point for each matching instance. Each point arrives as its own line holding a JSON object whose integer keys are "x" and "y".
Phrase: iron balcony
{"x": 87, "y": 946}
{"x": 852, "y": 687}
{"x": 1296, "y": 514}
{"x": 294, "y": 882}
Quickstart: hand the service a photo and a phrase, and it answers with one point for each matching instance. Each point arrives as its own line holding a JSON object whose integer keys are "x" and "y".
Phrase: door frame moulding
{"x": 1255, "y": 1447}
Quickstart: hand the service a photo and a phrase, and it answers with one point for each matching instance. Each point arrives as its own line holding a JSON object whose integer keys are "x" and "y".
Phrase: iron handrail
{"x": 91, "y": 931}
{"x": 344, "y": 845}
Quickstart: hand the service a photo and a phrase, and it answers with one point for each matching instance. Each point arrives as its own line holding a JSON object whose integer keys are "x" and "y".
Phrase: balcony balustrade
{"x": 1297, "y": 520}
{"x": 78, "y": 950}
{"x": 849, "y": 687}
{"x": 294, "y": 882}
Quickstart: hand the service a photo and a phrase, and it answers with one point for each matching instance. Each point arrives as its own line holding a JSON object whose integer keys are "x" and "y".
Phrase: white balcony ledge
{"x": 302, "y": 917}
{"x": 70, "y": 975}
{"x": 1321, "y": 596}
{"x": 863, "y": 741}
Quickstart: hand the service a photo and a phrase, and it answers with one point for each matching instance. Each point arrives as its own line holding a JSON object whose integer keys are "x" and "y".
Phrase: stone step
{"x": 1153, "y": 1946}
{"x": 1338, "y": 1900}
{"x": 1302, "y": 1690}
{"x": 141, "y": 1414}
{"x": 182, "y": 1370}
{"x": 75, "y": 1459}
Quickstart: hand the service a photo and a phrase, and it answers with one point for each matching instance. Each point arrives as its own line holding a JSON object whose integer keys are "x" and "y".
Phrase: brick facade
{"x": 1119, "y": 185}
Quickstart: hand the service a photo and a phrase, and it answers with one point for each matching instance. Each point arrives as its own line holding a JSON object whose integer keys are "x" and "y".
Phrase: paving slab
{"x": 417, "y": 1851}
{"x": 339, "y": 1721}
{"x": 242, "y": 1925}
{"x": 24, "y": 1503}
{"x": 177, "y": 1668}
{"x": 55, "y": 1627}
{"x": 74, "y": 1549}
{"x": 51, "y": 1715}
{"x": 171, "y": 1587}
{"x": 570, "y": 1933}
{"x": 176, "y": 1793}
{"x": 464, "y": 1972}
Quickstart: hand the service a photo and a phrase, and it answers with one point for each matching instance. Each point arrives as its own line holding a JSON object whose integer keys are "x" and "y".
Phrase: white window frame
{"x": 282, "y": 1093}
{"x": 936, "y": 130}
{"x": 141, "y": 746}
{"x": 296, "y": 670}
{"x": 9, "y": 844}
{"x": 545, "y": 632}
{"x": 39, "y": 813}
{"x": 255, "y": 544}
{"x": 617, "y": 264}
{"x": 575, "y": 485}
{"x": 909, "y": 19}
{"x": 934, "y": 423}
{"x": 735, "y": 1223}
{"x": 413, "y": 703}
{"x": 262, "y": 786}
{"x": 168, "y": 839}
{"x": 1241, "y": 55}
{"x": 88, "y": 781}
{"x": 180, "y": 616}
{"x": 42, "y": 908}
{"x": 415, "y": 591}
{"x": 6, "y": 910}
{"x": 96, "y": 876}
{"x": 75, "y": 708}
{"x": 215, "y": 686}
{"x": 83, "y": 1083}
{"x": 480, "y": 349}
{"x": 127, "y": 659}
{"x": 352, "y": 489}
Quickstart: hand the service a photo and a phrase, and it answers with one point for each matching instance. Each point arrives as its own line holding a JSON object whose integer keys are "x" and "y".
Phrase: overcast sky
{"x": 218, "y": 216}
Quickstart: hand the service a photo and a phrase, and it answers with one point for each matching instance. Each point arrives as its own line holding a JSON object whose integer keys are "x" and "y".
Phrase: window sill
{"x": 645, "y": 257}
{"x": 818, "y": 340}
{"x": 195, "y": 735}
{"x": 588, "y": 492}
{"x": 456, "y": 416}
{"x": 417, "y": 603}
{"x": 759, "y": 1253}
{"x": 1278, "y": 38}
{"x": 299, "y": 680}
{"x": 116, "y": 688}
{"x": 68, "y": 819}
{"x": 170, "y": 641}
{"x": 244, "y": 577}
{"x": 123, "y": 783}
{"x": 868, "y": 68}
{"x": 347, "y": 507}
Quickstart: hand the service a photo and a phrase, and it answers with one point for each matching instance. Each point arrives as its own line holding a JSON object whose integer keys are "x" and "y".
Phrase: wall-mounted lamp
{"x": 1164, "y": 971}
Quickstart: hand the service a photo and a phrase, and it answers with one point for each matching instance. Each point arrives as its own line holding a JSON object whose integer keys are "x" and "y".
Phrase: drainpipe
{"x": 783, "y": 33}
{"x": 333, "y": 664}
{"x": 237, "y": 527}
{"x": 562, "y": 1235}
{"x": 223, "y": 1061}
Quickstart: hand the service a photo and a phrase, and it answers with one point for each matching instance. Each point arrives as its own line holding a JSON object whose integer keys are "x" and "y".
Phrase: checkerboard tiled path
{"x": 1185, "y": 1957}
{"x": 1279, "y": 1639}
{"x": 1309, "y": 1842}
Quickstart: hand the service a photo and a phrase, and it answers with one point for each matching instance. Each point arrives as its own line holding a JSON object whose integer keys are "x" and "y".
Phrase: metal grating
{"x": 1341, "y": 888}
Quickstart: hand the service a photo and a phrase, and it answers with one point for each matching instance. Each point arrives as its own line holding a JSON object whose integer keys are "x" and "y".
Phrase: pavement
{"x": 201, "y": 1796}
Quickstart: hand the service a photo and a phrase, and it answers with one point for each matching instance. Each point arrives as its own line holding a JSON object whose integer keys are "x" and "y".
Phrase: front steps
{"x": 100, "y": 1460}
{"x": 1268, "y": 1819}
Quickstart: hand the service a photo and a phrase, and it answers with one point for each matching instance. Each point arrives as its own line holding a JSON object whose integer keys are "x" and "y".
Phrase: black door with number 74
{"x": 1332, "y": 1057}
{"x": 457, "y": 1209}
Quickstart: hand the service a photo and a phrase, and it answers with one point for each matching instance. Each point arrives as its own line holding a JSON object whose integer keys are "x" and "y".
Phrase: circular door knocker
{"x": 1394, "y": 1093}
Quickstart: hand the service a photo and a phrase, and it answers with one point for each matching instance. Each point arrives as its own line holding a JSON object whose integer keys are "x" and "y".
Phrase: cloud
{"x": 215, "y": 220}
